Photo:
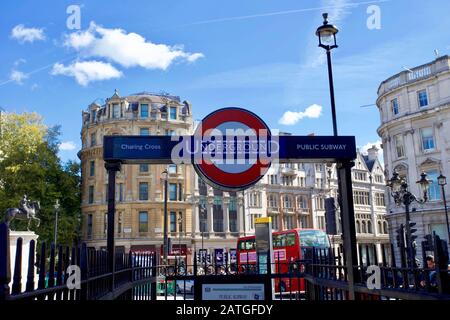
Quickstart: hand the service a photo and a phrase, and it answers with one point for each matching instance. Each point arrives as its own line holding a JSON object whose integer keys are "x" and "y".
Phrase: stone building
{"x": 414, "y": 108}
{"x": 139, "y": 188}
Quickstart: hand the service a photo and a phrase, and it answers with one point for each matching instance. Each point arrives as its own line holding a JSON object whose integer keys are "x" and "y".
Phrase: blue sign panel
{"x": 159, "y": 149}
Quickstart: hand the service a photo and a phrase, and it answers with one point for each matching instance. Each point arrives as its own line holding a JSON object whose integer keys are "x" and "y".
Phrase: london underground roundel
{"x": 235, "y": 149}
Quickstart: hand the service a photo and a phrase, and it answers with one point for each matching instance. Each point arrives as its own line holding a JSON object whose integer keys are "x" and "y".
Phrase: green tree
{"x": 29, "y": 164}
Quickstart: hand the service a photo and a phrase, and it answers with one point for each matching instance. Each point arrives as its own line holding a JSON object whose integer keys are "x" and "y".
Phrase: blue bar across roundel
{"x": 158, "y": 149}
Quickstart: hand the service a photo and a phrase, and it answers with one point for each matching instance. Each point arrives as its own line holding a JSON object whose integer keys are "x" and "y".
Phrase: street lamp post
{"x": 442, "y": 181}
{"x": 402, "y": 196}
{"x": 164, "y": 176}
{"x": 327, "y": 40}
{"x": 57, "y": 206}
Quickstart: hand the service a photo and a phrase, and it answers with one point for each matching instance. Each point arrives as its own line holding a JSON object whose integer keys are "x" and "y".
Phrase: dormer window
{"x": 173, "y": 113}
{"x": 144, "y": 110}
{"x": 116, "y": 110}
{"x": 93, "y": 116}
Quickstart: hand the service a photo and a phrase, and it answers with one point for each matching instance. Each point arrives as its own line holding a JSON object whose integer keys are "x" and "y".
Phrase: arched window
{"x": 358, "y": 227}
{"x": 380, "y": 228}
{"x": 363, "y": 227}
{"x": 385, "y": 226}
{"x": 369, "y": 227}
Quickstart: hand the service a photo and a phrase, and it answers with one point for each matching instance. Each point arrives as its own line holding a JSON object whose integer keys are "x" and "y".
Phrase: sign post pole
{"x": 264, "y": 250}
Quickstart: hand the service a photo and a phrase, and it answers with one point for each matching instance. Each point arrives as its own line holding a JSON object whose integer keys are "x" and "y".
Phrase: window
{"x": 320, "y": 203}
{"x": 144, "y": 110}
{"x": 275, "y": 222}
{"x": 369, "y": 227}
{"x": 360, "y": 176}
{"x": 144, "y": 131}
{"x": 172, "y": 168}
{"x": 232, "y": 205}
{"x": 302, "y": 202}
{"x": 116, "y": 110}
{"x": 91, "y": 194}
{"x": 120, "y": 192}
{"x": 319, "y": 182}
{"x": 93, "y": 115}
{"x": 143, "y": 168}
{"x": 378, "y": 178}
{"x": 92, "y": 169}
{"x": 379, "y": 199}
{"x": 427, "y": 138}
{"x": 173, "y": 221}
{"x": 273, "y": 201}
{"x": 255, "y": 199}
{"x": 172, "y": 191}
{"x": 93, "y": 139}
{"x": 119, "y": 223}
{"x": 173, "y": 113}
{"x": 89, "y": 225}
{"x": 303, "y": 222}
{"x": 289, "y": 222}
{"x": 273, "y": 179}
{"x": 287, "y": 202}
{"x": 433, "y": 188}
{"x": 423, "y": 98}
{"x": 394, "y": 106}
{"x": 143, "y": 221}
{"x": 301, "y": 181}
{"x": 399, "y": 146}
{"x": 361, "y": 198}
{"x": 143, "y": 191}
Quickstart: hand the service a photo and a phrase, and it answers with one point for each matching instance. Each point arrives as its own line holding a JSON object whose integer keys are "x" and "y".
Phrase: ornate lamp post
{"x": 327, "y": 40}
{"x": 442, "y": 181}
{"x": 165, "y": 178}
{"x": 402, "y": 196}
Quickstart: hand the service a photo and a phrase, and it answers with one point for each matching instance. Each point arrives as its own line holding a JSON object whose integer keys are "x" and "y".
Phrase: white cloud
{"x": 369, "y": 145}
{"x": 87, "y": 71}
{"x": 67, "y": 146}
{"x": 17, "y": 76}
{"x": 19, "y": 61}
{"x": 290, "y": 118}
{"x": 126, "y": 49}
{"x": 23, "y": 34}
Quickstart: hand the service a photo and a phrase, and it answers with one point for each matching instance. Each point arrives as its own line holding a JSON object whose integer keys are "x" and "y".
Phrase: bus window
{"x": 279, "y": 240}
{"x": 247, "y": 244}
{"x": 290, "y": 239}
{"x": 313, "y": 238}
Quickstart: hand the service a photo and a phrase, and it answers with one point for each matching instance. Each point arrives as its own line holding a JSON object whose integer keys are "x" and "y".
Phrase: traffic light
{"x": 412, "y": 230}
{"x": 330, "y": 216}
{"x": 400, "y": 237}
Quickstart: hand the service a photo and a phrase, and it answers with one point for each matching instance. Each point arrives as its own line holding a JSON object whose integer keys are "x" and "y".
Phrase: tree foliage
{"x": 29, "y": 164}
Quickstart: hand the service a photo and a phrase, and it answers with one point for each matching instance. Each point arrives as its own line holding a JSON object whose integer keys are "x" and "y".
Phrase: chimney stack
{"x": 373, "y": 153}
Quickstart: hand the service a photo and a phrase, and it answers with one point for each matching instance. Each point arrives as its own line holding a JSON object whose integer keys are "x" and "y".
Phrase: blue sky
{"x": 260, "y": 55}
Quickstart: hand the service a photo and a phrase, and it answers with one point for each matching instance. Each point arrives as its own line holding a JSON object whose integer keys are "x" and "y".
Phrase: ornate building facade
{"x": 414, "y": 108}
{"x": 139, "y": 188}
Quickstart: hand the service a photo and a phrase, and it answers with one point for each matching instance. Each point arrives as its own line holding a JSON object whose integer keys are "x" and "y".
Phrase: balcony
{"x": 288, "y": 171}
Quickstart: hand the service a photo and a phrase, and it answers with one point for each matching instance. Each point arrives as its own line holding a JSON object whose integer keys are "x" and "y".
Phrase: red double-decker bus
{"x": 289, "y": 247}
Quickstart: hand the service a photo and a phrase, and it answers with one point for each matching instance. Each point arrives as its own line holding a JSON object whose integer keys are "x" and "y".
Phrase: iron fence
{"x": 74, "y": 273}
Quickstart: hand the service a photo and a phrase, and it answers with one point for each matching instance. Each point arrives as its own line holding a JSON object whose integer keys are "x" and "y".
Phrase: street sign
{"x": 231, "y": 149}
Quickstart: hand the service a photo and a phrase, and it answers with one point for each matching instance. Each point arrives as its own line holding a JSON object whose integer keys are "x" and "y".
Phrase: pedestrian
{"x": 432, "y": 275}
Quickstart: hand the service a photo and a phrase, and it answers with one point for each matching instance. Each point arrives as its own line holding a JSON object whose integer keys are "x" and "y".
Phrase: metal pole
{"x": 112, "y": 168}
{"x": 330, "y": 80}
{"x": 166, "y": 239}
{"x": 408, "y": 232}
{"x": 446, "y": 213}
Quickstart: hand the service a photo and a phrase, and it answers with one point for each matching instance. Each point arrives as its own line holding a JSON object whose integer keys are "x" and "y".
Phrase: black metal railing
{"x": 74, "y": 273}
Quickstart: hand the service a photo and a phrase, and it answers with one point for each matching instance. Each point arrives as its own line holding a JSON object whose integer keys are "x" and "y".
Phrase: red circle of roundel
{"x": 218, "y": 177}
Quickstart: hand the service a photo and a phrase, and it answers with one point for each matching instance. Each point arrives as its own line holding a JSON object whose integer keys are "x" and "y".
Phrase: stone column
{"x": 226, "y": 213}
{"x": 196, "y": 217}
{"x": 241, "y": 215}
{"x": 210, "y": 216}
